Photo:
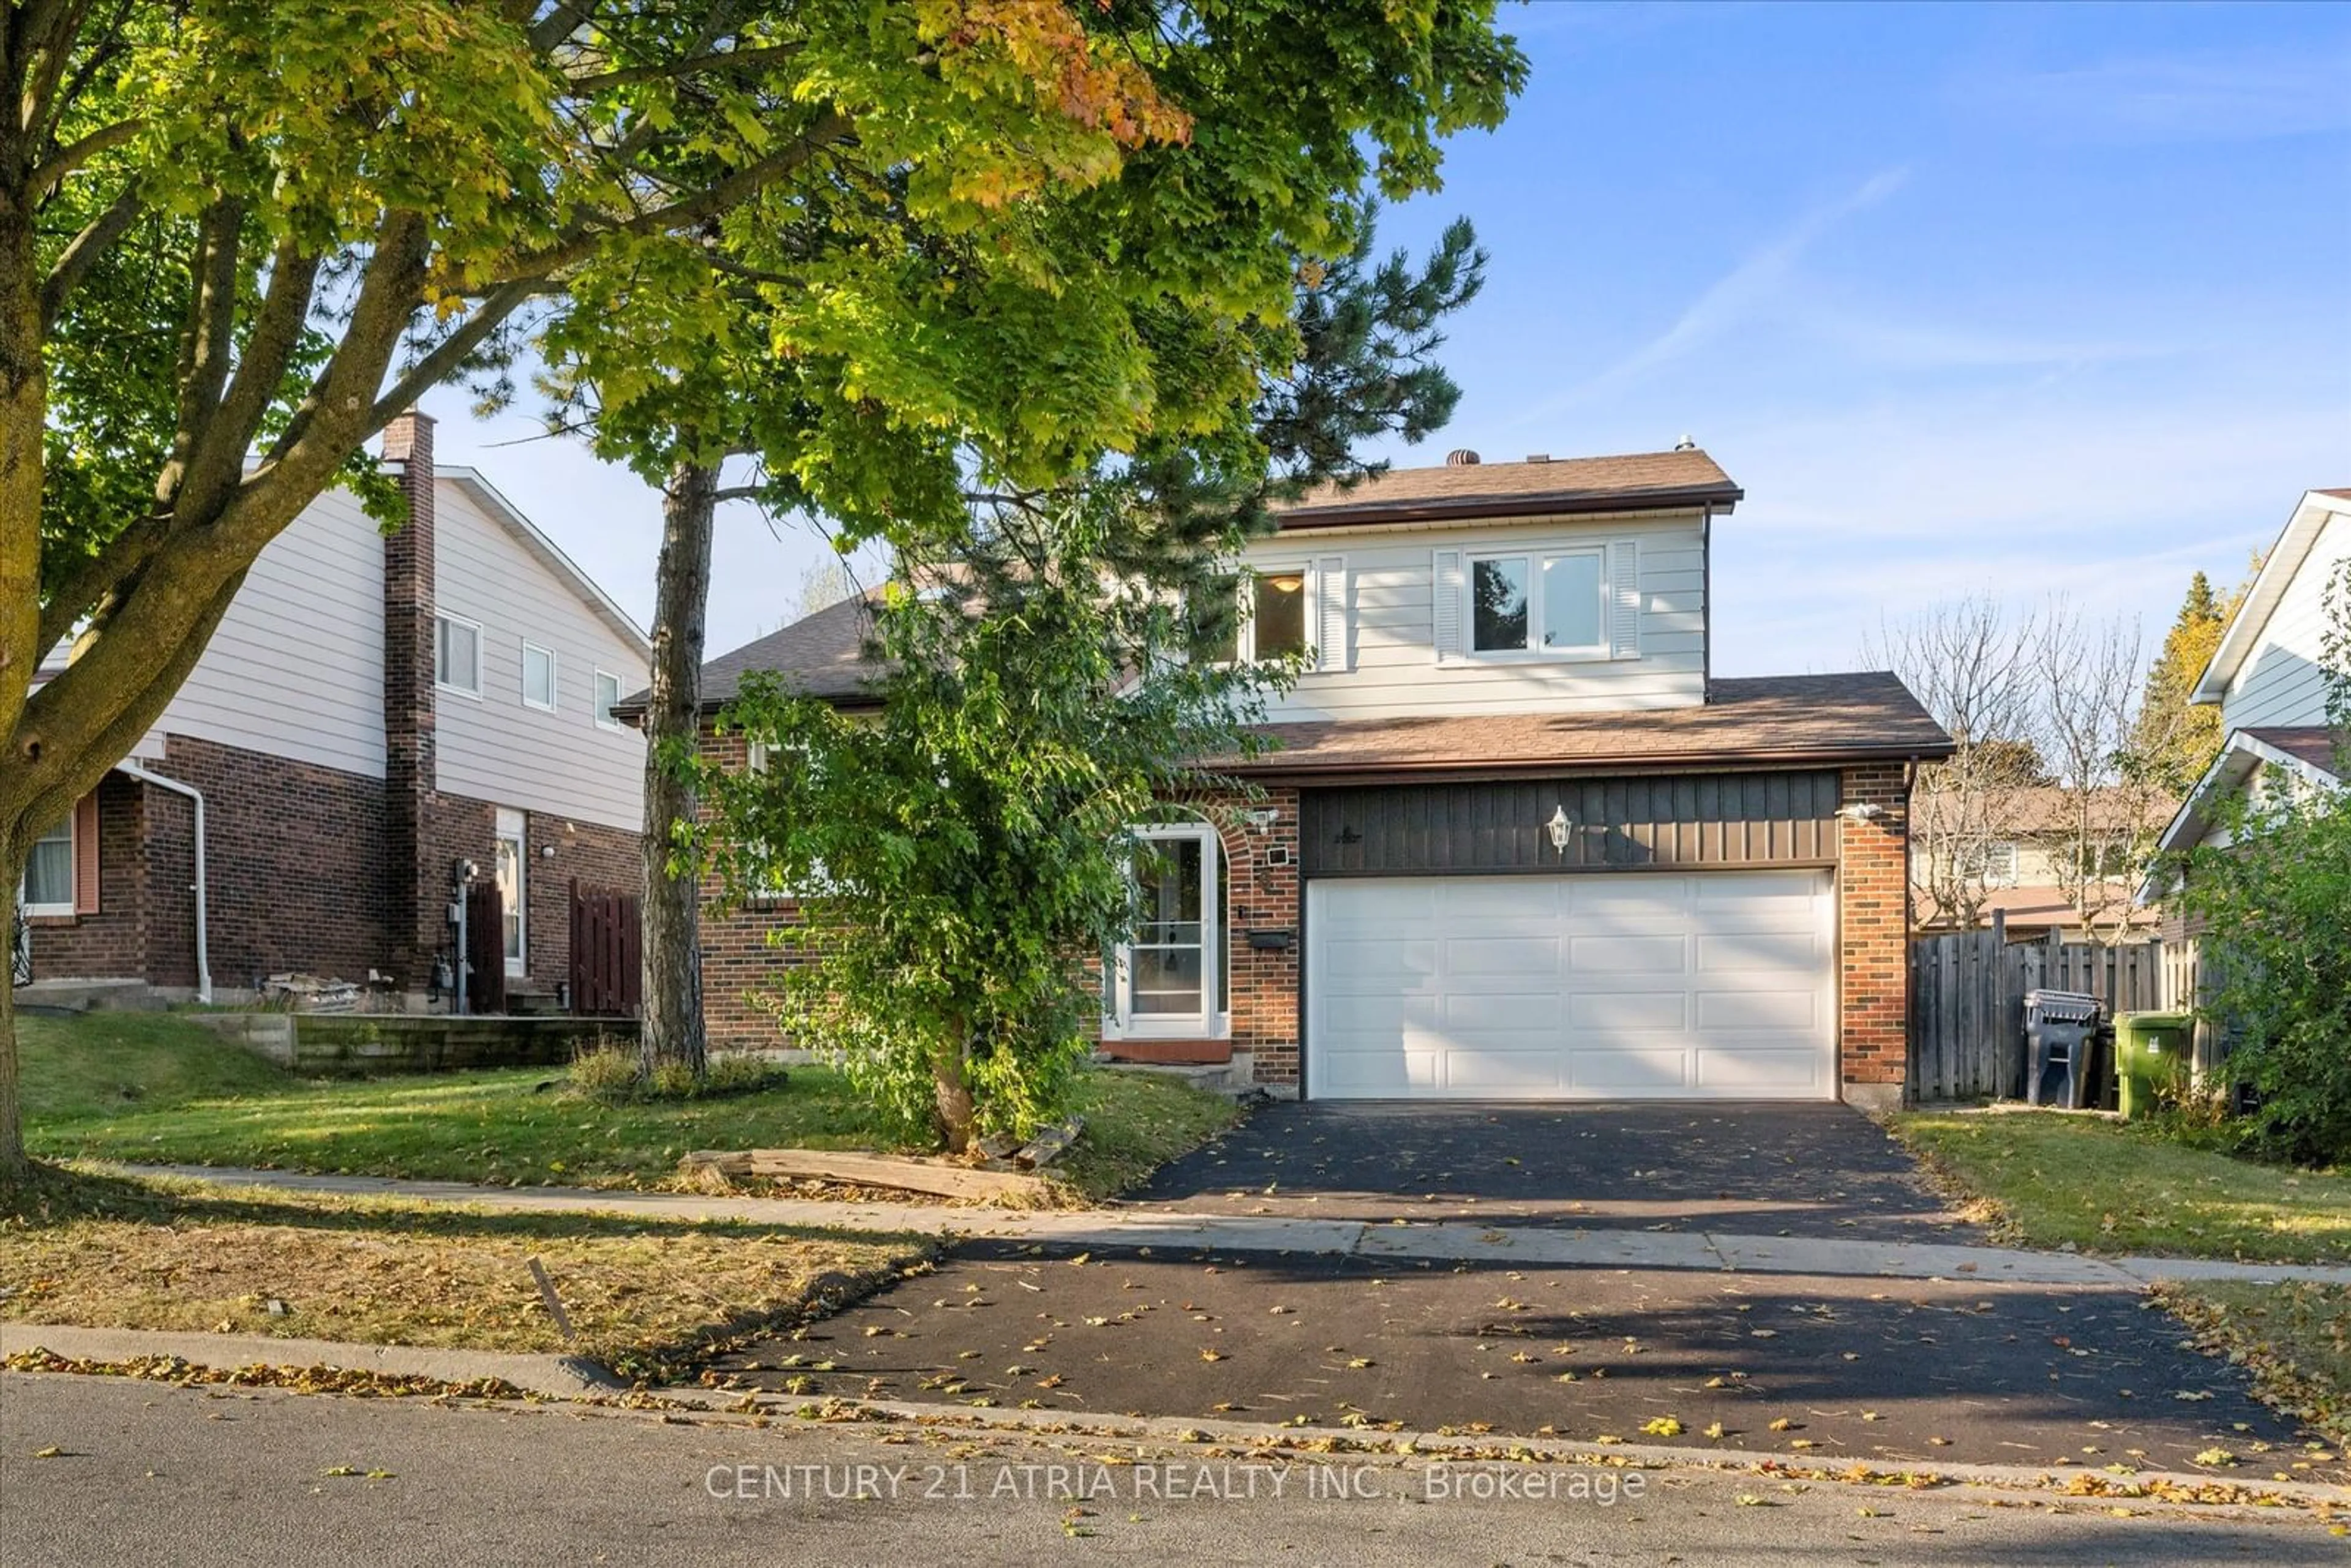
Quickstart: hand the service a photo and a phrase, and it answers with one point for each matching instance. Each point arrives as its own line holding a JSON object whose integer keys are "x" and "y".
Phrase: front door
{"x": 1165, "y": 982}
{"x": 513, "y": 859}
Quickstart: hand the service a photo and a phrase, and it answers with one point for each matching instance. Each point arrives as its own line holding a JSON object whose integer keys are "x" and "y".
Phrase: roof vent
{"x": 1460, "y": 458}
{"x": 1538, "y": 456}
{"x": 1686, "y": 445}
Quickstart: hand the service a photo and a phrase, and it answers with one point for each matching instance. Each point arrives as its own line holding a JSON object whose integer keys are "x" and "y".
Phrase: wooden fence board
{"x": 1967, "y": 1002}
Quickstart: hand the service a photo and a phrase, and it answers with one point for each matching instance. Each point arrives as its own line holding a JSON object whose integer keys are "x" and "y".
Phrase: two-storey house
{"x": 1515, "y": 840}
{"x": 375, "y": 711}
{"x": 2268, "y": 676}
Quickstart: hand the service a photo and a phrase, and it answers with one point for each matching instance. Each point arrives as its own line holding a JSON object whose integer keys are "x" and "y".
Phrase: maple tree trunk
{"x": 673, "y": 1026}
{"x": 951, "y": 1092}
{"x": 14, "y": 1167}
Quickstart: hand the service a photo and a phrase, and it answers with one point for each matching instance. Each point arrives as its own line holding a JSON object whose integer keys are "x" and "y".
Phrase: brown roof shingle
{"x": 1638, "y": 481}
{"x": 823, "y": 654}
{"x": 1787, "y": 719}
{"x": 2311, "y": 743}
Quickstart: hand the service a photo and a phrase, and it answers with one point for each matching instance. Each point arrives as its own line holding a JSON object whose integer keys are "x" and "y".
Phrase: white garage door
{"x": 1636, "y": 986}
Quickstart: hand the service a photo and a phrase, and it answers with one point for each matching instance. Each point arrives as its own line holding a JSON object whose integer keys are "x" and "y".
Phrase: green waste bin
{"x": 2150, "y": 1054}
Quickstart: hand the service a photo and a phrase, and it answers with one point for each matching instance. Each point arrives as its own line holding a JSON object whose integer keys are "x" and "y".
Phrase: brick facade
{"x": 1874, "y": 936}
{"x": 316, "y": 870}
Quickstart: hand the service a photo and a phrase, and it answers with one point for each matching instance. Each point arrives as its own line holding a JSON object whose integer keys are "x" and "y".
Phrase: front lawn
{"x": 2105, "y": 1187}
{"x": 649, "y": 1299}
{"x": 517, "y": 1126}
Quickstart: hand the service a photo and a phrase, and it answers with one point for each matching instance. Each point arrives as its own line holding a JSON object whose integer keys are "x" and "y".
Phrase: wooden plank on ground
{"x": 900, "y": 1172}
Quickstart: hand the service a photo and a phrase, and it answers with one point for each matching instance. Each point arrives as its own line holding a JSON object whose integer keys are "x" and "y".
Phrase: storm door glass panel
{"x": 1498, "y": 605}
{"x": 1166, "y": 968}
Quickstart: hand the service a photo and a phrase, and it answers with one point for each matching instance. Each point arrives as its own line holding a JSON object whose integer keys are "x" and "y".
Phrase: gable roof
{"x": 1781, "y": 721}
{"x": 824, "y": 655}
{"x": 2243, "y": 634}
{"x": 1642, "y": 481}
{"x": 550, "y": 554}
{"x": 2305, "y": 750}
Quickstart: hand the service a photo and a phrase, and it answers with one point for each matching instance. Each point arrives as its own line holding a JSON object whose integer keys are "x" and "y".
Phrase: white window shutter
{"x": 1624, "y": 598}
{"x": 1445, "y": 600}
{"x": 1330, "y": 612}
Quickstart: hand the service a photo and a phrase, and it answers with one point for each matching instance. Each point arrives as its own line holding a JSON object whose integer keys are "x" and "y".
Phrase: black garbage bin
{"x": 2058, "y": 1028}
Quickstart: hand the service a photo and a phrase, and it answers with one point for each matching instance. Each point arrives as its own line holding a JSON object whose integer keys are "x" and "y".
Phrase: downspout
{"x": 203, "y": 947}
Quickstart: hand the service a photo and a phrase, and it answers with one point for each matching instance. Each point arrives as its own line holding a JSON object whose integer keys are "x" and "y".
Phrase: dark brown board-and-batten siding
{"x": 1616, "y": 824}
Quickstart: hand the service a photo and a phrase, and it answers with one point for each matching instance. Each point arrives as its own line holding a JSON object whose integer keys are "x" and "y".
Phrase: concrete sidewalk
{"x": 1552, "y": 1246}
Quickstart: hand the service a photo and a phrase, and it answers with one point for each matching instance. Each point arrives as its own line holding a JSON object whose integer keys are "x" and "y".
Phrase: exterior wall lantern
{"x": 1558, "y": 827}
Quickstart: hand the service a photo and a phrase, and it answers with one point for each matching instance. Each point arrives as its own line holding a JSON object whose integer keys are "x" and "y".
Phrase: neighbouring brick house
{"x": 1515, "y": 840}
{"x": 374, "y": 709}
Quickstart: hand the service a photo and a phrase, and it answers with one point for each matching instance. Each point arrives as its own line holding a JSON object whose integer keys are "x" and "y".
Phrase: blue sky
{"x": 2044, "y": 300}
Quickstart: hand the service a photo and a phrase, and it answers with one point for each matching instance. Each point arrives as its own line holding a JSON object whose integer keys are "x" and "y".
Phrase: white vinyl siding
{"x": 296, "y": 667}
{"x": 1410, "y": 643}
{"x": 2282, "y": 681}
{"x": 561, "y": 763}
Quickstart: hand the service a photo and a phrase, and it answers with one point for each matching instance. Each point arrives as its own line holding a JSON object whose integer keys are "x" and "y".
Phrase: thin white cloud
{"x": 1740, "y": 295}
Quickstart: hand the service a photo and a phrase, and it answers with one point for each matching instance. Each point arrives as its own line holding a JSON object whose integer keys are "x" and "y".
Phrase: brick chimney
{"x": 412, "y": 892}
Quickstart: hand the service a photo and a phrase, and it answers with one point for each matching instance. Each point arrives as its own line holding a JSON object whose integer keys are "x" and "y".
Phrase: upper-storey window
{"x": 1288, "y": 611}
{"x": 458, "y": 654}
{"x": 1554, "y": 603}
{"x": 539, "y": 676}
{"x": 608, "y": 698}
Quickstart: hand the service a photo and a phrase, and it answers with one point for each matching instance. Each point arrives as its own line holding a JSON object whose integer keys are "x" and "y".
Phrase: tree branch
{"x": 66, "y": 160}
{"x": 219, "y": 454}
{"x": 82, "y": 252}
{"x": 830, "y": 127}
{"x": 451, "y": 351}
{"x": 720, "y": 60}
{"x": 210, "y": 336}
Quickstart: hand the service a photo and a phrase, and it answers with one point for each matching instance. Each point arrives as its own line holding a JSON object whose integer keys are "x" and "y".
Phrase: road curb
{"x": 1339, "y": 1442}
{"x": 549, "y": 1376}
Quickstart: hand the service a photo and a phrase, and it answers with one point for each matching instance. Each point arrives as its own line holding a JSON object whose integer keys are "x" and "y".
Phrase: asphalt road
{"x": 147, "y": 1474}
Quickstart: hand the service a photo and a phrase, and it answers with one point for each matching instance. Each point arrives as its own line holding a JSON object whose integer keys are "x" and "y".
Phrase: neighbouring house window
{"x": 1271, "y": 617}
{"x": 49, "y": 884}
{"x": 513, "y": 861}
{"x": 608, "y": 696}
{"x": 1995, "y": 863}
{"x": 457, "y": 655}
{"x": 1168, "y": 979}
{"x": 1552, "y": 603}
{"x": 539, "y": 676}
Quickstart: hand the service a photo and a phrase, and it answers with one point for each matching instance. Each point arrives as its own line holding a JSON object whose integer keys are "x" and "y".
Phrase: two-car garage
{"x": 1672, "y": 937}
{"x": 1638, "y": 984}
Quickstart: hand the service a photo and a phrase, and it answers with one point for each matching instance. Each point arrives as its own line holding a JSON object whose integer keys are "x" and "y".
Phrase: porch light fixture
{"x": 1559, "y": 825}
{"x": 1287, "y": 583}
{"x": 1261, "y": 818}
{"x": 1862, "y": 811}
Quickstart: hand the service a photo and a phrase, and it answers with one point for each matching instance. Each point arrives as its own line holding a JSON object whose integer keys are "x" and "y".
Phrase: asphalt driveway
{"x": 1770, "y": 1169}
{"x": 1829, "y": 1370}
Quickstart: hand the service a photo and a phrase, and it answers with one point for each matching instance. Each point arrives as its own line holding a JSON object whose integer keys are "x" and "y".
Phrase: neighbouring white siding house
{"x": 2268, "y": 676}
{"x": 2275, "y": 677}
{"x": 296, "y": 668}
{"x": 546, "y": 748}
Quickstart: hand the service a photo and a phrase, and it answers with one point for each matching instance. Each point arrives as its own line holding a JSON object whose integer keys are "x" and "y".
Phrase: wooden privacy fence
{"x": 607, "y": 950}
{"x": 1967, "y": 1002}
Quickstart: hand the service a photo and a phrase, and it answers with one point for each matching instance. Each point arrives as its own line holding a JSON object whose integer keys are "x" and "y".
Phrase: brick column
{"x": 1873, "y": 928}
{"x": 413, "y": 892}
{"x": 1263, "y": 868}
